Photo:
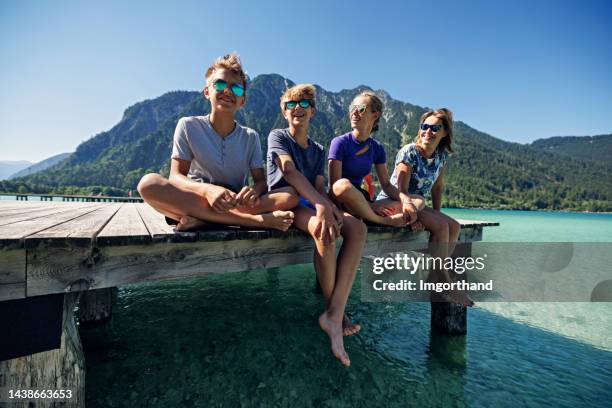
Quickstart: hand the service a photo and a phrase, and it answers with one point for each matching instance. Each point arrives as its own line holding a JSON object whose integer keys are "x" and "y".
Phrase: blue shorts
{"x": 306, "y": 203}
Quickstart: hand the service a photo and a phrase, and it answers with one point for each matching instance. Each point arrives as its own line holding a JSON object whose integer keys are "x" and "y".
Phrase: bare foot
{"x": 348, "y": 327}
{"x": 280, "y": 220}
{"x": 396, "y": 220}
{"x": 189, "y": 223}
{"x": 334, "y": 331}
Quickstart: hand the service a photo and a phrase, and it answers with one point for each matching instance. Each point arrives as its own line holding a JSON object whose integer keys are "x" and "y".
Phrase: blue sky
{"x": 519, "y": 70}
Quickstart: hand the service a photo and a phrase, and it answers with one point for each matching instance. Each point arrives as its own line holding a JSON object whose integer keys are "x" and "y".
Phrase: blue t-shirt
{"x": 424, "y": 172}
{"x": 310, "y": 161}
{"x": 356, "y": 166}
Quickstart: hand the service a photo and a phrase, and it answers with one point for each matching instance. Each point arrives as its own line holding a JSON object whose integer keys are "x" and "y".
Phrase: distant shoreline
{"x": 450, "y": 208}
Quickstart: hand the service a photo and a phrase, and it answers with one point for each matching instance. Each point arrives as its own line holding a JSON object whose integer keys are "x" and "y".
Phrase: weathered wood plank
{"x": 158, "y": 227}
{"x": 69, "y": 268}
{"x": 6, "y": 211}
{"x": 39, "y": 213}
{"x": 12, "y": 273}
{"x": 8, "y": 205}
{"x": 12, "y": 234}
{"x": 125, "y": 228}
{"x": 79, "y": 231}
{"x": 61, "y": 252}
{"x": 120, "y": 265}
{"x": 472, "y": 223}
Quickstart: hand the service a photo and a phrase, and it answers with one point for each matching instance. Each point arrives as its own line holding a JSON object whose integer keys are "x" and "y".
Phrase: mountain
{"x": 484, "y": 171}
{"x": 596, "y": 148}
{"x": 8, "y": 167}
{"x": 40, "y": 166}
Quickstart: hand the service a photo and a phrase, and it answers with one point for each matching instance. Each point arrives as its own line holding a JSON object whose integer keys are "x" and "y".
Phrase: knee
{"x": 341, "y": 187}
{"x": 454, "y": 229}
{"x": 439, "y": 229}
{"x": 148, "y": 184}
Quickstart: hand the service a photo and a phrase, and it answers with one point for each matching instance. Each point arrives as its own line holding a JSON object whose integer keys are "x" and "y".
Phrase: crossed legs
{"x": 192, "y": 210}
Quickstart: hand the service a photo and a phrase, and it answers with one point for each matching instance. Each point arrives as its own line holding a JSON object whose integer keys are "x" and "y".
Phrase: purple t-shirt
{"x": 356, "y": 166}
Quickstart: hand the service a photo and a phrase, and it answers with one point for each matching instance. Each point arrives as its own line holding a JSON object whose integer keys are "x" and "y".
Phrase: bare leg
{"x": 356, "y": 204}
{"x": 443, "y": 230}
{"x": 284, "y": 198}
{"x": 174, "y": 202}
{"x": 354, "y": 233}
{"x": 336, "y": 280}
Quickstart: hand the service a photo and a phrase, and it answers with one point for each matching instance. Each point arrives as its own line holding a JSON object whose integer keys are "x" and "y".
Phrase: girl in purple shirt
{"x": 351, "y": 157}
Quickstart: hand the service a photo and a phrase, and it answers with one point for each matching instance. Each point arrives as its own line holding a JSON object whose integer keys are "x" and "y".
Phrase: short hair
{"x": 446, "y": 116}
{"x": 297, "y": 92}
{"x": 232, "y": 63}
{"x": 376, "y": 105}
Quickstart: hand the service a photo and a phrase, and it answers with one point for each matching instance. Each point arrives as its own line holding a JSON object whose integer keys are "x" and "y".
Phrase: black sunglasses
{"x": 434, "y": 128}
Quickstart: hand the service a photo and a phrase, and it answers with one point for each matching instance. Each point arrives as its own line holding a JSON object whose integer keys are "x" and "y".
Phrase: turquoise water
{"x": 251, "y": 339}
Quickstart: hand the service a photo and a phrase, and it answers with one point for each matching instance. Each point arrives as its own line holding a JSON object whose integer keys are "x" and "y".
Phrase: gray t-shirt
{"x": 214, "y": 159}
{"x": 310, "y": 161}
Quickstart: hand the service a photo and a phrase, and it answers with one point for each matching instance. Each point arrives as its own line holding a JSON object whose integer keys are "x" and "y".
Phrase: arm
{"x": 409, "y": 208}
{"x": 334, "y": 168}
{"x": 219, "y": 198}
{"x": 385, "y": 182}
{"x": 327, "y": 228}
{"x": 298, "y": 180}
{"x": 436, "y": 191}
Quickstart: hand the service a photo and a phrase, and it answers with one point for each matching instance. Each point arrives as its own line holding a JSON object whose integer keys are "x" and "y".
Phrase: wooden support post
{"x": 58, "y": 369}
{"x": 450, "y": 318}
{"x": 95, "y": 305}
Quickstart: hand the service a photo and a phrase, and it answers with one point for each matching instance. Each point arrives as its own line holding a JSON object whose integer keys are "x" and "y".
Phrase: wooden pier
{"x": 55, "y": 255}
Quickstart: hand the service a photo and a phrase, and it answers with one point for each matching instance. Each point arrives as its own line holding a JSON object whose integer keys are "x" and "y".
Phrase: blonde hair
{"x": 376, "y": 105}
{"x": 232, "y": 63}
{"x": 297, "y": 92}
{"x": 446, "y": 116}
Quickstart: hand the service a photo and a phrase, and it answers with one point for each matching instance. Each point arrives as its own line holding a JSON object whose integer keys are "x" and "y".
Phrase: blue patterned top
{"x": 424, "y": 173}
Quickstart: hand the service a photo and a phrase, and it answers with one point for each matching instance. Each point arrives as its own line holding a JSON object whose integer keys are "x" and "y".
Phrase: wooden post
{"x": 95, "y": 305}
{"x": 58, "y": 369}
{"x": 450, "y": 318}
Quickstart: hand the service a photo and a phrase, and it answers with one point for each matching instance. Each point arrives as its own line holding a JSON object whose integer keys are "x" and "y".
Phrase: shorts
{"x": 365, "y": 193}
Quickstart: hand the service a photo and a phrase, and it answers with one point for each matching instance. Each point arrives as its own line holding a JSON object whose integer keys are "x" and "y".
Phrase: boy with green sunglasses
{"x": 212, "y": 157}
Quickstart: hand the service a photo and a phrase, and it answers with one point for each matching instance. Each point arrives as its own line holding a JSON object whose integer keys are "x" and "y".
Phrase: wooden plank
{"x": 38, "y": 213}
{"x": 120, "y": 265}
{"x": 12, "y": 273}
{"x": 13, "y": 234}
{"x": 8, "y": 210}
{"x": 79, "y": 231}
{"x": 59, "y": 254}
{"x": 158, "y": 227}
{"x": 472, "y": 223}
{"x": 125, "y": 228}
{"x": 69, "y": 268}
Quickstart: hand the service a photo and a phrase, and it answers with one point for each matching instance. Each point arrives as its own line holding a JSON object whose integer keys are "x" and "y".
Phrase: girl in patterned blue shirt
{"x": 419, "y": 166}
